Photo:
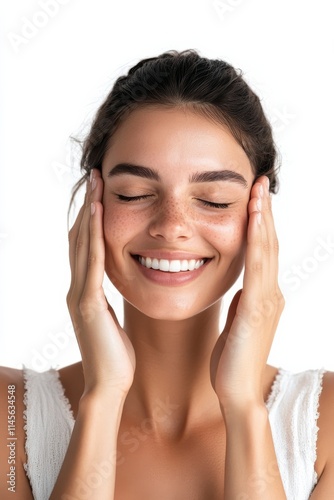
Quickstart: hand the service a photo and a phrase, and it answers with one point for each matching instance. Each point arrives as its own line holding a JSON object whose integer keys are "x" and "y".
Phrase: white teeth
{"x": 164, "y": 265}
{"x": 184, "y": 265}
{"x": 192, "y": 264}
{"x": 171, "y": 266}
{"x": 148, "y": 262}
{"x": 174, "y": 266}
{"x": 154, "y": 265}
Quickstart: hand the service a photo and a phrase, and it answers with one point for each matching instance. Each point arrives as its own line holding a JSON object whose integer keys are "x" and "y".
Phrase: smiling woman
{"x": 171, "y": 208}
{"x": 179, "y": 166}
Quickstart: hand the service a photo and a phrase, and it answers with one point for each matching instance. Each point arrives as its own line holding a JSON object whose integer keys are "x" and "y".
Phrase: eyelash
{"x": 133, "y": 198}
{"x": 215, "y": 205}
{"x": 211, "y": 204}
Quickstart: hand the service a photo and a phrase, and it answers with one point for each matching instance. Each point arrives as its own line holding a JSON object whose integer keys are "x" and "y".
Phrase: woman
{"x": 179, "y": 164}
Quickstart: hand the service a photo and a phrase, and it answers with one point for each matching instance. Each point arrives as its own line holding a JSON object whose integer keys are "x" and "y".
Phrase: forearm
{"x": 251, "y": 470}
{"x": 89, "y": 467}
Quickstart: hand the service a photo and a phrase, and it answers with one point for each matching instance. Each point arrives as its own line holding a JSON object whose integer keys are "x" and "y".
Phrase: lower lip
{"x": 171, "y": 279}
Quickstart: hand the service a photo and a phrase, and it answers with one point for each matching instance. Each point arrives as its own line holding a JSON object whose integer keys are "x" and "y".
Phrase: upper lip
{"x": 170, "y": 255}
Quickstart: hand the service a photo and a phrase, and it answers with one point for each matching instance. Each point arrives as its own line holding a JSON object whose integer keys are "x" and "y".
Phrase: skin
{"x": 168, "y": 388}
{"x": 172, "y": 218}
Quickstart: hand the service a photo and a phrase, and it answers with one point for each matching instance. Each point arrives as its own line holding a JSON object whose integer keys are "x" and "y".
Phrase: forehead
{"x": 175, "y": 138}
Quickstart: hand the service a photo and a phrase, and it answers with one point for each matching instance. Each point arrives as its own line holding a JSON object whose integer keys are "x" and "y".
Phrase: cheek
{"x": 228, "y": 232}
{"x": 229, "y": 240}
{"x": 118, "y": 227}
{"x": 117, "y": 224}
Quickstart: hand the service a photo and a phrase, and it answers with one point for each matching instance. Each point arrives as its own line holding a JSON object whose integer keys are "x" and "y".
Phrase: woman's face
{"x": 176, "y": 190}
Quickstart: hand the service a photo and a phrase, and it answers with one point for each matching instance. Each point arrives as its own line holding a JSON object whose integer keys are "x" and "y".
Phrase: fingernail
{"x": 258, "y": 218}
{"x": 261, "y": 191}
{"x": 92, "y": 179}
{"x": 92, "y": 208}
{"x": 259, "y": 204}
{"x": 268, "y": 183}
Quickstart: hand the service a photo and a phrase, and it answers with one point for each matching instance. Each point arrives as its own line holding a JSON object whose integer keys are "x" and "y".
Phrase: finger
{"x": 73, "y": 235}
{"x": 81, "y": 245}
{"x": 261, "y": 267}
{"x": 271, "y": 236}
{"x": 269, "y": 247}
{"x": 254, "y": 263}
{"x": 265, "y": 240}
{"x": 93, "y": 292}
{"x": 90, "y": 264}
{"x": 72, "y": 238}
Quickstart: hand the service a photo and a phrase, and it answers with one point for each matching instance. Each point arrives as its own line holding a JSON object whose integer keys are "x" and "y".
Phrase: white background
{"x": 60, "y": 58}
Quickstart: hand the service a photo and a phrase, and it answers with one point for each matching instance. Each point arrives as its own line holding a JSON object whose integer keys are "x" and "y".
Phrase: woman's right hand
{"x": 108, "y": 358}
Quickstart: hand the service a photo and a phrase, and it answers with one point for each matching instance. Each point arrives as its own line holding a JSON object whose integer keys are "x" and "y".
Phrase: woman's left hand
{"x": 240, "y": 355}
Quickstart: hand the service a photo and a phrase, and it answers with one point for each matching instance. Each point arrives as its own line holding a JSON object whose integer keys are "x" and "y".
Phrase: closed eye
{"x": 133, "y": 198}
{"x": 214, "y": 205}
{"x": 211, "y": 204}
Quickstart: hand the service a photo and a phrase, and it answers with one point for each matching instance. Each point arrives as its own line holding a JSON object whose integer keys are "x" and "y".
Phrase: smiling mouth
{"x": 170, "y": 266}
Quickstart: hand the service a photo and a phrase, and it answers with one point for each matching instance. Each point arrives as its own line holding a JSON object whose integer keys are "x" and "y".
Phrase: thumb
{"x": 216, "y": 353}
{"x": 231, "y": 312}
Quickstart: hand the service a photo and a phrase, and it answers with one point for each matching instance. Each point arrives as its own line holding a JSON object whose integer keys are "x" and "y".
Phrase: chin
{"x": 170, "y": 306}
{"x": 166, "y": 303}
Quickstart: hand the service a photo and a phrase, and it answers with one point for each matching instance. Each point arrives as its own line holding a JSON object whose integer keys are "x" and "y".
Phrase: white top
{"x": 293, "y": 413}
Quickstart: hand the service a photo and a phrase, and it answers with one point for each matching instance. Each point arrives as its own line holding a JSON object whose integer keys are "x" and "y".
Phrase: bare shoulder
{"x": 326, "y": 417}
{"x": 12, "y": 436}
{"x": 12, "y": 433}
{"x": 325, "y": 444}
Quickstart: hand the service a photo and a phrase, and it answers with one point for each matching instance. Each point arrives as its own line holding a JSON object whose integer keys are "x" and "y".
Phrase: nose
{"x": 171, "y": 222}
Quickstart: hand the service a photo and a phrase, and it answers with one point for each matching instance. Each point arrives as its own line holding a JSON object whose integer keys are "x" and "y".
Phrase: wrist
{"x": 103, "y": 397}
{"x": 246, "y": 411}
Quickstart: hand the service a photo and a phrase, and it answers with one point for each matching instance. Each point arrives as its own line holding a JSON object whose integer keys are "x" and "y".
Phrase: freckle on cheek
{"x": 227, "y": 231}
{"x": 112, "y": 224}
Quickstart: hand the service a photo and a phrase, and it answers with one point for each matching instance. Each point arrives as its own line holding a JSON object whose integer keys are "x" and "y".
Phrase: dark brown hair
{"x": 178, "y": 79}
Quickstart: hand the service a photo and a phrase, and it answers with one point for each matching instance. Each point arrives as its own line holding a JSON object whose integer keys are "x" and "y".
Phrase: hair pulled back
{"x": 178, "y": 79}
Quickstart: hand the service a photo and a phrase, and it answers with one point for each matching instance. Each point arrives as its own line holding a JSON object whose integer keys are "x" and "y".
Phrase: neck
{"x": 172, "y": 368}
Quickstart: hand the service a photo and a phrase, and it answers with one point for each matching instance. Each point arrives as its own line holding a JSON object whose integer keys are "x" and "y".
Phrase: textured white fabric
{"x": 48, "y": 425}
{"x": 293, "y": 414}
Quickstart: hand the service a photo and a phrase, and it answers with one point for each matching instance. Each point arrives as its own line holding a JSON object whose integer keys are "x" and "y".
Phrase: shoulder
{"x": 72, "y": 379}
{"x": 10, "y": 374}
{"x": 11, "y": 398}
{"x": 326, "y": 400}
{"x": 12, "y": 435}
{"x": 11, "y": 390}
{"x": 13, "y": 383}
{"x": 325, "y": 445}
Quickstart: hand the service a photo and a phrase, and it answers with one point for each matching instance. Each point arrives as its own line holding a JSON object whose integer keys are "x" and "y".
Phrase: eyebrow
{"x": 139, "y": 171}
{"x": 149, "y": 173}
{"x": 219, "y": 175}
